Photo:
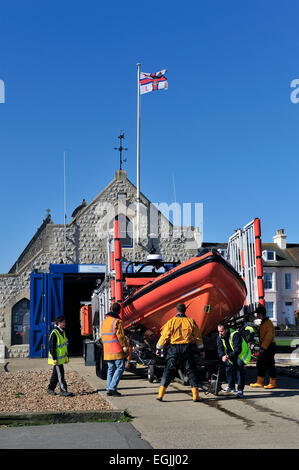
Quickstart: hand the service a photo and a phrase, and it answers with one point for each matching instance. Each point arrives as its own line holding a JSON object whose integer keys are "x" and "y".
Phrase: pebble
{"x": 26, "y": 391}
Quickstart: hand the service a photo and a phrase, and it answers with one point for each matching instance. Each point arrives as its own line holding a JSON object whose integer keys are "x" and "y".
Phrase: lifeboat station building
{"x": 63, "y": 264}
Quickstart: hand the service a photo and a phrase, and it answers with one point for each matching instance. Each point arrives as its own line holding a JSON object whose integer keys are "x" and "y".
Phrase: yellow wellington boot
{"x": 259, "y": 382}
{"x": 195, "y": 394}
{"x": 272, "y": 383}
{"x": 161, "y": 393}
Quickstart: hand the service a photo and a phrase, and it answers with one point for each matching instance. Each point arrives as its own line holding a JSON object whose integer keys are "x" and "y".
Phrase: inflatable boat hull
{"x": 209, "y": 286}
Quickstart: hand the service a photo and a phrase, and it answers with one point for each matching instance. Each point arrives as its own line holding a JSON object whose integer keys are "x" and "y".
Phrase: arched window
{"x": 20, "y": 322}
{"x": 125, "y": 226}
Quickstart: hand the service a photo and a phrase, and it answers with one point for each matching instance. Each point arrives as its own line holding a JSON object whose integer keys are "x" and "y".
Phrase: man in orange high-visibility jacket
{"x": 115, "y": 347}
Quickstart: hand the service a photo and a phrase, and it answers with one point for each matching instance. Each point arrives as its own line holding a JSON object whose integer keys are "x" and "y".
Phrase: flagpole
{"x": 138, "y": 151}
{"x": 64, "y": 184}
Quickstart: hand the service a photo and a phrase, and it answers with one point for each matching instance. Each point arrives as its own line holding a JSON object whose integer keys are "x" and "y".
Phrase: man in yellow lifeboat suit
{"x": 265, "y": 360}
{"x": 115, "y": 347}
{"x": 182, "y": 333}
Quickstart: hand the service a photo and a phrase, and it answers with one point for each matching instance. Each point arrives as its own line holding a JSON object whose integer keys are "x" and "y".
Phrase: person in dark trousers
{"x": 58, "y": 356}
{"x": 234, "y": 353}
{"x": 115, "y": 346}
{"x": 266, "y": 359}
{"x": 182, "y": 333}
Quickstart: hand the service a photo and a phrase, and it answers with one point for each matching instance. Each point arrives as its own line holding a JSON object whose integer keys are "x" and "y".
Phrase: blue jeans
{"x": 114, "y": 373}
{"x": 235, "y": 373}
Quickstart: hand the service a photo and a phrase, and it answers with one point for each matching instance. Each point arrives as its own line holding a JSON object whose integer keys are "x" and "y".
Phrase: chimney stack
{"x": 280, "y": 239}
{"x": 120, "y": 175}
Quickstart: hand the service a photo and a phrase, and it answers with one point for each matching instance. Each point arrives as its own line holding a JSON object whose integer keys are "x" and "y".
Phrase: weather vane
{"x": 120, "y": 149}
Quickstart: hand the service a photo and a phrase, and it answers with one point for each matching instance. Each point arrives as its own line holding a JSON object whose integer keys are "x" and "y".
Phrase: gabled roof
{"x": 78, "y": 212}
{"x": 119, "y": 175}
{"x": 284, "y": 258}
{"x": 288, "y": 257}
{"x": 33, "y": 240}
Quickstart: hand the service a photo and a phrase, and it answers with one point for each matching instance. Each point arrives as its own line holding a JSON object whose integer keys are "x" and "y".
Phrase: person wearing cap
{"x": 182, "y": 332}
{"x": 115, "y": 346}
{"x": 235, "y": 354}
{"x": 58, "y": 356}
{"x": 266, "y": 359}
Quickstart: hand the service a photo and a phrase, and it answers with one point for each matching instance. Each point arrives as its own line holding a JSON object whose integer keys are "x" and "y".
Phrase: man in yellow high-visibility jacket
{"x": 235, "y": 354}
{"x": 58, "y": 356}
{"x": 182, "y": 333}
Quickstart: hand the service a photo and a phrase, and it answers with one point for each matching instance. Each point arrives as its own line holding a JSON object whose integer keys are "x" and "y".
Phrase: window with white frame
{"x": 268, "y": 281}
{"x": 270, "y": 309}
{"x": 288, "y": 281}
{"x": 269, "y": 255}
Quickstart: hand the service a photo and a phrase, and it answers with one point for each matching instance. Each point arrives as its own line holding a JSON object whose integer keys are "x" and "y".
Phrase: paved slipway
{"x": 264, "y": 419}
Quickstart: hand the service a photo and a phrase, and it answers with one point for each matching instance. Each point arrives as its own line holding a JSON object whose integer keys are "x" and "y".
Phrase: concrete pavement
{"x": 264, "y": 419}
{"x": 73, "y": 436}
{"x": 106, "y": 435}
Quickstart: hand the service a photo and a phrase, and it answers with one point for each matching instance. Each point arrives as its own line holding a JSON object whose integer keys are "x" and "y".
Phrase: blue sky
{"x": 225, "y": 130}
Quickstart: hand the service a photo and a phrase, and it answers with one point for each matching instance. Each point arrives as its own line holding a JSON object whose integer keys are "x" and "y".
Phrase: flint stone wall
{"x": 86, "y": 244}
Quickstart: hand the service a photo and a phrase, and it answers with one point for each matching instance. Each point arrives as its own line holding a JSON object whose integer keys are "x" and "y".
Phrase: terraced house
{"x": 281, "y": 279}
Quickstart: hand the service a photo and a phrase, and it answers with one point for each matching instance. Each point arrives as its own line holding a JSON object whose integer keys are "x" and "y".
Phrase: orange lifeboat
{"x": 207, "y": 284}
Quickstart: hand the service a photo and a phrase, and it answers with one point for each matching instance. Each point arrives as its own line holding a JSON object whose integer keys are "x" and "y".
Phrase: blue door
{"x": 38, "y": 327}
{"x": 46, "y": 303}
{"x": 54, "y": 297}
